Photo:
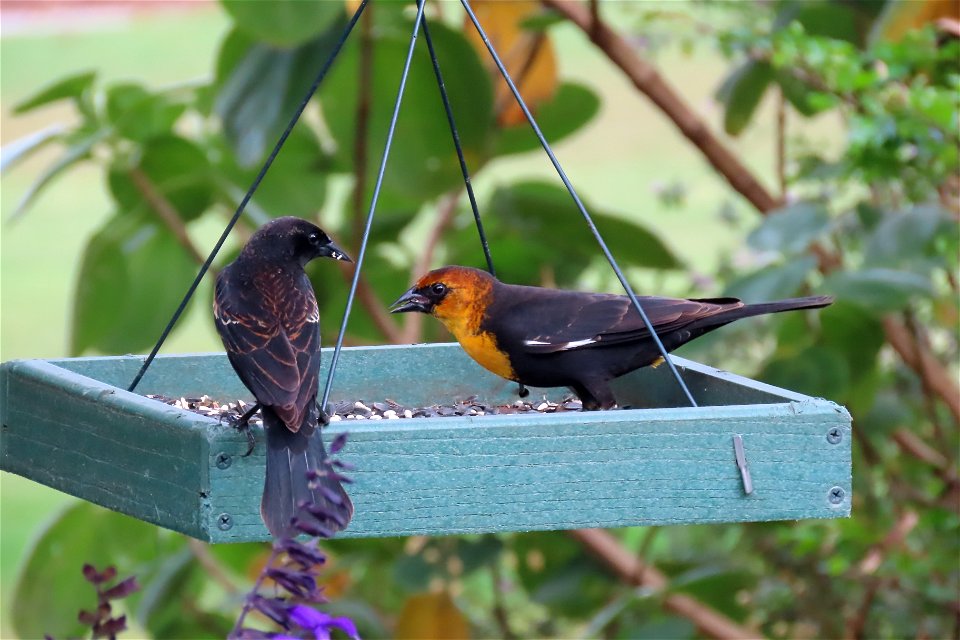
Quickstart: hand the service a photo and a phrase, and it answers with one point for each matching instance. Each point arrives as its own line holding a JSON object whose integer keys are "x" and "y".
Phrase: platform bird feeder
{"x": 66, "y": 424}
{"x": 748, "y": 452}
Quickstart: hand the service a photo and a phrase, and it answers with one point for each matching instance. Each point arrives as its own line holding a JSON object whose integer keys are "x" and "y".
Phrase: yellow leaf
{"x": 901, "y": 16}
{"x": 431, "y": 616}
{"x": 527, "y": 55}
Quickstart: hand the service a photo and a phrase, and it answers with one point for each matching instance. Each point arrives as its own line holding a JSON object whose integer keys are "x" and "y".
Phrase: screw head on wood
{"x": 224, "y": 521}
{"x": 224, "y": 460}
{"x": 836, "y": 495}
{"x": 834, "y": 435}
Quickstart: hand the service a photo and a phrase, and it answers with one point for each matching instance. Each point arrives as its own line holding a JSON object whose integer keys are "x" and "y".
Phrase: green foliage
{"x": 875, "y": 225}
{"x": 283, "y": 23}
{"x": 119, "y": 260}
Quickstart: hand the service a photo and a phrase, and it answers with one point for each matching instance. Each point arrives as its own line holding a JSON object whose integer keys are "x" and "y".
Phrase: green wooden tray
{"x": 70, "y": 424}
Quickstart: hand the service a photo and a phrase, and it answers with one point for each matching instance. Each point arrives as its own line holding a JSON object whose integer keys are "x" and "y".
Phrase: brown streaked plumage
{"x": 266, "y": 314}
{"x": 556, "y": 338}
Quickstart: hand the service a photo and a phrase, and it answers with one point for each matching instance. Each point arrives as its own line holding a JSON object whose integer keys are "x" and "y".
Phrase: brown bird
{"x": 555, "y": 338}
{"x": 266, "y": 313}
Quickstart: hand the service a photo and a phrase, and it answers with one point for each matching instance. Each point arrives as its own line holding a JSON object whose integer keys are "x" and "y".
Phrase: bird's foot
{"x": 522, "y": 390}
{"x": 243, "y": 426}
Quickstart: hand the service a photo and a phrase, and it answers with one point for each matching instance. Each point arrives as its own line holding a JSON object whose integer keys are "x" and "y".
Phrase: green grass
{"x": 615, "y": 163}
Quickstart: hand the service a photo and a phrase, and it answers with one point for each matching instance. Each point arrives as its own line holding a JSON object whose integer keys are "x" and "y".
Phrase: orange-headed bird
{"x": 556, "y": 338}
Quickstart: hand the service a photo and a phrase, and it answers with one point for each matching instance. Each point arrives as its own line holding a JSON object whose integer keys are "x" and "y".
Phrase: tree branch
{"x": 361, "y": 131}
{"x": 648, "y": 80}
{"x": 202, "y": 553}
{"x": 934, "y": 374}
{"x": 632, "y": 570}
{"x": 868, "y": 565}
{"x": 166, "y": 212}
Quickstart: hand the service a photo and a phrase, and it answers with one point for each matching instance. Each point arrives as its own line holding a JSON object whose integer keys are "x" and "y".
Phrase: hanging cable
{"x": 578, "y": 202}
{"x": 249, "y": 194}
{"x": 456, "y": 143}
{"x": 373, "y": 206}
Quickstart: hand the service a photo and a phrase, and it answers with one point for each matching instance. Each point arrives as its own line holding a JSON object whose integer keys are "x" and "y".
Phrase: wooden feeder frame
{"x": 70, "y": 425}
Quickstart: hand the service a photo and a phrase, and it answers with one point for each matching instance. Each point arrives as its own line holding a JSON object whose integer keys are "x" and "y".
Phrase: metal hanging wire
{"x": 373, "y": 206}
{"x": 249, "y": 194}
{"x": 578, "y": 202}
{"x": 456, "y": 143}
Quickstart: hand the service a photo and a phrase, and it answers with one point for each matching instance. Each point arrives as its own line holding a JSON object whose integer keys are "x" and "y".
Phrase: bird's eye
{"x": 439, "y": 288}
{"x": 313, "y": 238}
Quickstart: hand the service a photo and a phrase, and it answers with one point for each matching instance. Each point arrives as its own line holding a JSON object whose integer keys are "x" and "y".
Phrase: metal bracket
{"x": 742, "y": 464}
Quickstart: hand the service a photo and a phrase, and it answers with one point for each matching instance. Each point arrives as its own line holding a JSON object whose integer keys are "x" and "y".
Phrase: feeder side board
{"x": 132, "y": 455}
{"x": 445, "y": 476}
{"x": 435, "y": 476}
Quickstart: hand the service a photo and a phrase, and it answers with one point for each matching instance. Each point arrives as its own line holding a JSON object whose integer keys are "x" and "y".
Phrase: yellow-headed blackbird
{"x": 555, "y": 338}
{"x": 267, "y": 316}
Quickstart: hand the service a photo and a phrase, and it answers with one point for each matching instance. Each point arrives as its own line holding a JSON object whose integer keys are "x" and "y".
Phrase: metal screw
{"x": 224, "y": 521}
{"x": 224, "y": 460}
{"x": 836, "y": 495}
{"x": 834, "y": 435}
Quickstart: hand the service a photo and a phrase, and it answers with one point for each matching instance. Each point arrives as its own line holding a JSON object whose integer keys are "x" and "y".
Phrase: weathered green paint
{"x": 66, "y": 424}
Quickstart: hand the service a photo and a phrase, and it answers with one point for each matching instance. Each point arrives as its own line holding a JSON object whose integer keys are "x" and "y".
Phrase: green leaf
{"x": 902, "y": 238}
{"x": 772, "y": 282}
{"x": 259, "y": 88}
{"x": 536, "y": 225}
{"x": 51, "y": 589}
{"x": 848, "y": 22}
{"x": 296, "y": 183}
{"x": 176, "y": 167}
{"x": 250, "y": 103}
{"x": 284, "y": 23}
{"x": 137, "y": 114}
{"x": 852, "y": 332}
{"x": 816, "y": 371}
{"x": 479, "y": 553}
{"x": 132, "y": 276}
{"x": 741, "y": 93}
{"x": 14, "y": 152}
{"x": 78, "y": 151}
{"x": 423, "y": 162}
{"x": 806, "y": 101}
{"x": 878, "y": 289}
{"x": 168, "y": 607}
{"x": 572, "y": 106}
{"x": 792, "y": 229}
{"x": 554, "y": 571}
{"x": 72, "y": 86}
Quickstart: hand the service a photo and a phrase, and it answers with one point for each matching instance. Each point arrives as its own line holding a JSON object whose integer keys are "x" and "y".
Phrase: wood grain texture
{"x": 437, "y": 476}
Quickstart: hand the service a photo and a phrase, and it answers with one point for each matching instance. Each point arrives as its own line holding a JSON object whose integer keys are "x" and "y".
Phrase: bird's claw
{"x": 243, "y": 426}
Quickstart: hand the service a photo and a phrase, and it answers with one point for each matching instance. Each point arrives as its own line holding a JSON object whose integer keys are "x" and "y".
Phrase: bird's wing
{"x": 584, "y": 320}
{"x": 273, "y": 342}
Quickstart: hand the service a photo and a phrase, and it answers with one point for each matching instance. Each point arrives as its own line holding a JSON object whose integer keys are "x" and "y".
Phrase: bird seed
{"x": 231, "y": 412}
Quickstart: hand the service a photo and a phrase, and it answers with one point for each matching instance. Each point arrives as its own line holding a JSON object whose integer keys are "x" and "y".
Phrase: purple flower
{"x": 321, "y": 623}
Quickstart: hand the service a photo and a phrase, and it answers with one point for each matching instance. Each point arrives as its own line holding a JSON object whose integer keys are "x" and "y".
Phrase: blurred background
{"x": 816, "y": 152}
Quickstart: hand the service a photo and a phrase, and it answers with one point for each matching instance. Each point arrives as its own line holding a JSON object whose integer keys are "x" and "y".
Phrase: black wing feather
{"x": 572, "y": 320}
{"x": 277, "y": 356}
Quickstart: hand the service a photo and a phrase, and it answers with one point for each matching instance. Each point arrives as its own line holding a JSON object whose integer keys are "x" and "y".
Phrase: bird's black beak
{"x": 331, "y": 250}
{"x": 412, "y": 301}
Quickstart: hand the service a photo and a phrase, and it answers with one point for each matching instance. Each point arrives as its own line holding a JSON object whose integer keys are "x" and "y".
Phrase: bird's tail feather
{"x": 298, "y": 472}
{"x": 790, "y": 304}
